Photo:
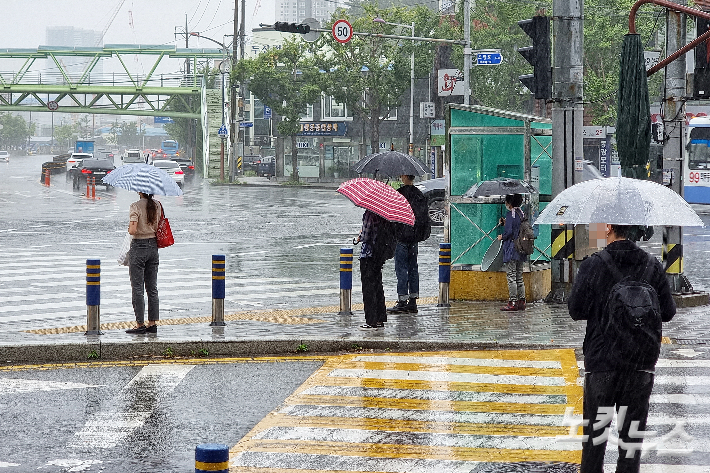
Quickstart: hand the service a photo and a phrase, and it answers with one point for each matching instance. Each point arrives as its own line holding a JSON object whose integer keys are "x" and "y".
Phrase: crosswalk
{"x": 447, "y": 412}
{"x": 456, "y": 412}
{"x": 47, "y": 289}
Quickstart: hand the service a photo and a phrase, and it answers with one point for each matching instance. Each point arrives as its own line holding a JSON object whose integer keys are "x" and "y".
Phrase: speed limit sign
{"x": 52, "y": 105}
{"x": 342, "y": 31}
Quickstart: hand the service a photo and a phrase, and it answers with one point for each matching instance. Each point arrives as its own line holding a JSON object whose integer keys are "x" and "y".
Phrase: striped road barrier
{"x": 444, "y": 274}
{"x": 346, "y": 281}
{"x": 93, "y": 297}
{"x": 218, "y": 271}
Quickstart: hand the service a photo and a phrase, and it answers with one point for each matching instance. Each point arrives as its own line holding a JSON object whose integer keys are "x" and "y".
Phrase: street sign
{"x": 488, "y": 58}
{"x": 52, "y": 105}
{"x": 267, "y": 112}
{"x": 222, "y": 132}
{"x": 342, "y": 31}
{"x": 246, "y": 124}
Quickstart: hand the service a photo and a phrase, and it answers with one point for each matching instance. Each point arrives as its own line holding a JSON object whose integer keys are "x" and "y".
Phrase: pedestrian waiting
{"x": 512, "y": 259}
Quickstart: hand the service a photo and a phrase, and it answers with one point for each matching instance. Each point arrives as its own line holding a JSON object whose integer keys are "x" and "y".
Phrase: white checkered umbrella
{"x": 142, "y": 178}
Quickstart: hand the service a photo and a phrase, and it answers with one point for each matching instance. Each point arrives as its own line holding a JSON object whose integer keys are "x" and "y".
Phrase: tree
{"x": 14, "y": 130}
{"x": 64, "y": 134}
{"x": 371, "y": 74}
{"x": 286, "y": 80}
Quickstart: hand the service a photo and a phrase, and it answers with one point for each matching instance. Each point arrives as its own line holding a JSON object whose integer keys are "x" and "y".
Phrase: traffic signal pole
{"x": 567, "y": 122}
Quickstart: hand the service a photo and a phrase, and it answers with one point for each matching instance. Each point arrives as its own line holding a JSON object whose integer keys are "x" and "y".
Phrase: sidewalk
{"x": 463, "y": 326}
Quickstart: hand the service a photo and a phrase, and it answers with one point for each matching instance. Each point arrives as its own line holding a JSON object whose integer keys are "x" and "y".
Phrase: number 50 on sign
{"x": 342, "y": 31}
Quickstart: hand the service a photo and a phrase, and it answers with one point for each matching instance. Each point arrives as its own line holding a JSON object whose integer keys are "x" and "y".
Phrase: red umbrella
{"x": 378, "y": 197}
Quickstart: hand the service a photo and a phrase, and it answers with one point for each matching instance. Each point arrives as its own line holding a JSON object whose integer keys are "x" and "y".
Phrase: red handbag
{"x": 164, "y": 234}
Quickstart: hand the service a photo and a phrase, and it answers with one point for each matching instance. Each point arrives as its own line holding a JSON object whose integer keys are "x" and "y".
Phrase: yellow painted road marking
{"x": 394, "y": 410}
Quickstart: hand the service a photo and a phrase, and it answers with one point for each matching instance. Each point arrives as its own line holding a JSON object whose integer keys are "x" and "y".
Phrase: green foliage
{"x": 168, "y": 352}
{"x": 302, "y": 348}
{"x": 15, "y": 130}
{"x": 286, "y": 80}
{"x": 375, "y": 68}
{"x": 92, "y": 355}
{"x": 64, "y": 134}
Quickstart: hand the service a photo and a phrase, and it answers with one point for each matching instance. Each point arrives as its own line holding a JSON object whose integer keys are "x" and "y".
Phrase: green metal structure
{"x": 484, "y": 143}
{"x": 129, "y": 94}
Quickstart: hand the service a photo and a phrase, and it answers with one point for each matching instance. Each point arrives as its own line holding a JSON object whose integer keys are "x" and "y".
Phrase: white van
{"x": 133, "y": 156}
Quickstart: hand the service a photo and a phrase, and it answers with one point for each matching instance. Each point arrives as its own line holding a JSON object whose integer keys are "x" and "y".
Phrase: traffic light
{"x": 292, "y": 27}
{"x": 701, "y": 73}
{"x": 540, "y": 81}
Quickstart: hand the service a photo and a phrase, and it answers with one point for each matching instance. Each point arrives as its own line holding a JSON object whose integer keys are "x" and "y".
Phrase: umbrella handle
{"x": 356, "y": 241}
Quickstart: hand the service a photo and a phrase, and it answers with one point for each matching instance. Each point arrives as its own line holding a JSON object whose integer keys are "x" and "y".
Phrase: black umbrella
{"x": 499, "y": 186}
{"x": 390, "y": 163}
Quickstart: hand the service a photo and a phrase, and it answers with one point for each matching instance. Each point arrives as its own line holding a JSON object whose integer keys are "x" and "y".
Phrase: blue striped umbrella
{"x": 142, "y": 178}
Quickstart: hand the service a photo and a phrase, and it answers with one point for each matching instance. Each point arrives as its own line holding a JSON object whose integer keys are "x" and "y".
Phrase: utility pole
{"x": 241, "y": 131}
{"x": 674, "y": 123}
{"x": 466, "y": 52}
{"x": 233, "y": 95}
{"x": 567, "y": 121}
{"x": 190, "y": 145}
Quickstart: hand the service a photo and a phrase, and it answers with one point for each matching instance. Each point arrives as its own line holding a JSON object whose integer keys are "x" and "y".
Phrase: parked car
{"x": 5, "y": 156}
{"x": 172, "y": 168}
{"x": 266, "y": 167}
{"x": 74, "y": 161}
{"x": 188, "y": 168}
{"x": 435, "y": 192}
{"x": 96, "y": 168}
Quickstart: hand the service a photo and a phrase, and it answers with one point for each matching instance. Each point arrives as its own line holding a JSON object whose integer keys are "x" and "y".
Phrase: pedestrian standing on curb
{"x": 405, "y": 257}
{"x": 513, "y": 260}
{"x": 623, "y": 294}
{"x": 374, "y": 251}
{"x": 143, "y": 261}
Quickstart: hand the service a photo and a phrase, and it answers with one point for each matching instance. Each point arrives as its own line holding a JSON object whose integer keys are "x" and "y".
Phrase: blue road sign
{"x": 222, "y": 132}
{"x": 267, "y": 112}
{"x": 489, "y": 58}
{"x": 246, "y": 124}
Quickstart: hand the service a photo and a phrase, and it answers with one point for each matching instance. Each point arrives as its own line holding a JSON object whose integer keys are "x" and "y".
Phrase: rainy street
{"x": 281, "y": 245}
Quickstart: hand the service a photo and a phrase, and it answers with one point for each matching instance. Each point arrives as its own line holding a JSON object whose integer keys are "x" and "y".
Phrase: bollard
{"x": 93, "y": 188}
{"x": 444, "y": 274}
{"x": 218, "y": 270}
{"x": 93, "y": 297}
{"x": 46, "y": 177}
{"x": 346, "y": 281}
{"x": 88, "y": 187}
{"x": 212, "y": 458}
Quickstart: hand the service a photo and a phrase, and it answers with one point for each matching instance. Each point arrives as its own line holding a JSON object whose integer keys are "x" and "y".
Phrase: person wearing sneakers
{"x": 405, "y": 257}
{"x": 512, "y": 260}
{"x": 143, "y": 261}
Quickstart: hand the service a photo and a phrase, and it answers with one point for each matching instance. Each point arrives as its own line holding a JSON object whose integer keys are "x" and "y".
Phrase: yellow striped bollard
{"x": 218, "y": 271}
{"x": 444, "y": 274}
{"x": 346, "y": 281}
{"x": 212, "y": 458}
{"x": 93, "y": 297}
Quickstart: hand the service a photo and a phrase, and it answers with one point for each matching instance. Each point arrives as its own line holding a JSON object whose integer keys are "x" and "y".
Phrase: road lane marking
{"x": 133, "y": 406}
{"x": 14, "y": 386}
{"x": 443, "y": 412}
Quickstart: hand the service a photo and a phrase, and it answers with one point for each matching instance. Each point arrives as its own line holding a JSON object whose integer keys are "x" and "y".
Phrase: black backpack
{"x": 385, "y": 241}
{"x": 524, "y": 243}
{"x": 422, "y": 223}
{"x": 631, "y": 320}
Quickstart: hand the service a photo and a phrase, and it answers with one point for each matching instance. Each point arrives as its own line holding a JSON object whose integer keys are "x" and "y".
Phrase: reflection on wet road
{"x": 282, "y": 248}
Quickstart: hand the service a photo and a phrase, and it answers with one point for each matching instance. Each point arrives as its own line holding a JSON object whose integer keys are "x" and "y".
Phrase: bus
{"x": 170, "y": 147}
{"x": 696, "y": 172}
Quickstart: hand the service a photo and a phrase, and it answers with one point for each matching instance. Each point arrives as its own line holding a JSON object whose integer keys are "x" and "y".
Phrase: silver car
{"x": 172, "y": 168}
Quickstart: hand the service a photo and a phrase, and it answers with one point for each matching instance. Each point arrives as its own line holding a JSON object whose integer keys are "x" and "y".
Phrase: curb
{"x": 112, "y": 351}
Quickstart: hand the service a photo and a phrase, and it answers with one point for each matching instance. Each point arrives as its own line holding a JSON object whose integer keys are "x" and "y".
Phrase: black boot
{"x": 412, "y": 305}
{"x": 399, "y": 308}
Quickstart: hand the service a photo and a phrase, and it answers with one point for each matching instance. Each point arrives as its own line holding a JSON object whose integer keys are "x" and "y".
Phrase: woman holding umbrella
{"x": 143, "y": 261}
{"x": 144, "y": 216}
{"x": 513, "y": 260}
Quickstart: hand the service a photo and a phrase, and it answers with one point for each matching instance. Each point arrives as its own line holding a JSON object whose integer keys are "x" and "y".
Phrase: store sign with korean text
{"x": 323, "y": 129}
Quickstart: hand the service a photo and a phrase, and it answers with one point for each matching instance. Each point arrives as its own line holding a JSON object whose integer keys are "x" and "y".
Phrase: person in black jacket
{"x": 611, "y": 382}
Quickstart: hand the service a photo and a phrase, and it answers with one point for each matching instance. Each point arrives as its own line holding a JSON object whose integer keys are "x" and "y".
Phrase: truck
{"x": 84, "y": 146}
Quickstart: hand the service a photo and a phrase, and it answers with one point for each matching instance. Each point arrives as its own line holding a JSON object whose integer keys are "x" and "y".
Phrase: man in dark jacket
{"x": 371, "y": 262}
{"x": 610, "y": 382}
{"x": 406, "y": 266}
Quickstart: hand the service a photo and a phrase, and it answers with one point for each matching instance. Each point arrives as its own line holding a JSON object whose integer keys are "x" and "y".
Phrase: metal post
{"x": 567, "y": 117}
{"x": 467, "y": 52}
{"x": 212, "y": 458}
{"x": 46, "y": 177}
{"x": 346, "y": 281}
{"x": 93, "y": 297}
{"x": 674, "y": 122}
{"x": 218, "y": 272}
{"x": 411, "y": 100}
{"x": 444, "y": 274}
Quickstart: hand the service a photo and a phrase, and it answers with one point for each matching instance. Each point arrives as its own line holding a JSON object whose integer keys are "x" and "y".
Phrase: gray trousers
{"x": 143, "y": 270}
{"x": 514, "y": 275}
